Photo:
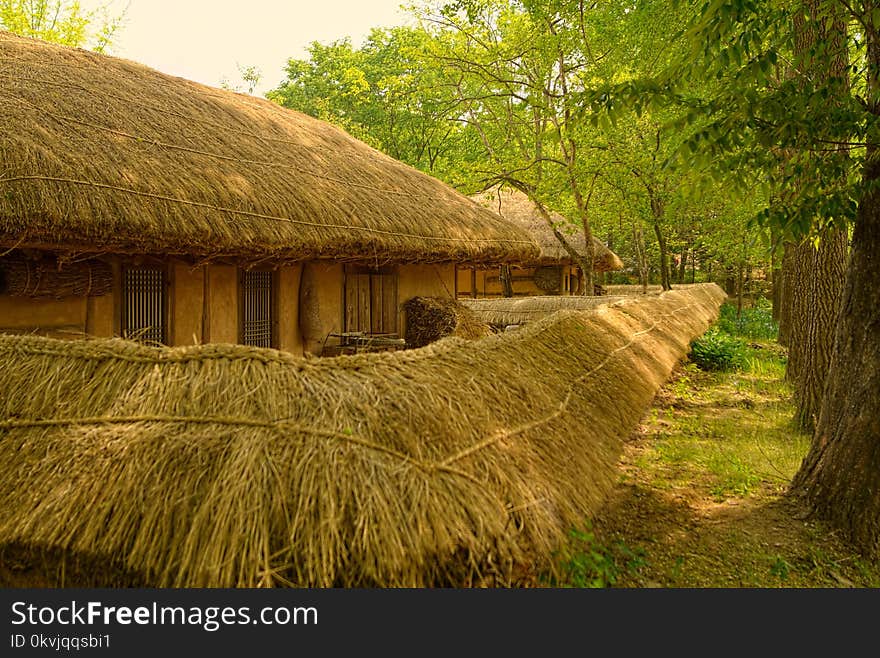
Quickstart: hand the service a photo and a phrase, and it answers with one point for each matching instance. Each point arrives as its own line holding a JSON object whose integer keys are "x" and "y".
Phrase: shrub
{"x": 754, "y": 323}
{"x": 718, "y": 350}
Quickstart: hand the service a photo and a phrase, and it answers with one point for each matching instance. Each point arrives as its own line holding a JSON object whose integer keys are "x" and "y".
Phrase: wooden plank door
{"x": 383, "y": 303}
{"x": 357, "y": 303}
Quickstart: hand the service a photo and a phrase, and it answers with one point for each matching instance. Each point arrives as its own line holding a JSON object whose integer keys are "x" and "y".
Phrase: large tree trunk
{"x": 787, "y": 275}
{"x": 840, "y": 477}
{"x": 812, "y": 350}
{"x": 818, "y": 271}
{"x": 797, "y": 263}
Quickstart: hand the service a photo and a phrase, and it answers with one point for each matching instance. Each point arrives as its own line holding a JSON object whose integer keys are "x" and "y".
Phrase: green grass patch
{"x": 585, "y": 562}
{"x": 746, "y": 442}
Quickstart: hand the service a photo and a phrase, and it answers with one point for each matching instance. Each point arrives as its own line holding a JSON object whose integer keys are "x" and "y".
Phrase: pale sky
{"x": 204, "y": 40}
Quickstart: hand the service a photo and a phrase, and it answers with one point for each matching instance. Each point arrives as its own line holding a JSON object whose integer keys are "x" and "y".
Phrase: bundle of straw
{"x": 548, "y": 278}
{"x": 223, "y": 465}
{"x": 429, "y": 319}
{"x": 47, "y": 278}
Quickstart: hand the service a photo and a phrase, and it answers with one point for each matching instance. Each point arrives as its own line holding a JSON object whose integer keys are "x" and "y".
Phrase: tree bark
{"x": 818, "y": 270}
{"x": 798, "y": 273}
{"x": 786, "y": 274}
{"x": 812, "y": 350}
{"x": 840, "y": 477}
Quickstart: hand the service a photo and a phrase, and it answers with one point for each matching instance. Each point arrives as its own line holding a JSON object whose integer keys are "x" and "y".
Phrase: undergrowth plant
{"x": 586, "y": 562}
{"x": 718, "y": 350}
{"x": 755, "y": 323}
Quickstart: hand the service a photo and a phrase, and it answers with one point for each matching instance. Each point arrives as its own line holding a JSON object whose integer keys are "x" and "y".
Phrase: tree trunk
{"x": 798, "y": 273}
{"x": 664, "y": 255}
{"x": 818, "y": 271}
{"x": 682, "y": 265}
{"x": 641, "y": 255}
{"x": 840, "y": 477}
{"x": 786, "y": 274}
{"x": 776, "y": 281}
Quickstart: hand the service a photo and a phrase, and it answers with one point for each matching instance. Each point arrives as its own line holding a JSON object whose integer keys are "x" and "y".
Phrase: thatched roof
{"x": 103, "y": 154}
{"x": 226, "y": 465}
{"x": 516, "y": 207}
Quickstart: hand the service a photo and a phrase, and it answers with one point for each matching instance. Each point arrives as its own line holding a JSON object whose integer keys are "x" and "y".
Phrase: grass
{"x": 701, "y": 497}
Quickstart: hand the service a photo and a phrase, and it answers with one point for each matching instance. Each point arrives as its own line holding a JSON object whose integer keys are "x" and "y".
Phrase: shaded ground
{"x": 700, "y": 502}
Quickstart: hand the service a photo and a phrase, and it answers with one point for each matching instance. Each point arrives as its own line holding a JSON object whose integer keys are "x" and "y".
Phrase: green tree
{"x": 809, "y": 134}
{"x": 60, "y": 21}
{"x": 384, "y": 92}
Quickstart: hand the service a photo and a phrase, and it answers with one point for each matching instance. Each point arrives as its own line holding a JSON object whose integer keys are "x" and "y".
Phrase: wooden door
{"x": 371, "y": 302}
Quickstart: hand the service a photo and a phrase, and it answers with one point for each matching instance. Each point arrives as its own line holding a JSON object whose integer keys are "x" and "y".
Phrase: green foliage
{"x": 588, "y": 563}
{"x": 780, "y": 568}
{"x": 718, "y": 350}
{"x": 755, "y": 323}
{"x": 60, "y": 21}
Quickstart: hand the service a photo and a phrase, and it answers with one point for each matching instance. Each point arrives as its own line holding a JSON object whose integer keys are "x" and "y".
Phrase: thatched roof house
{"x": 517, "y": 209}
{"x": 105, "y": 158}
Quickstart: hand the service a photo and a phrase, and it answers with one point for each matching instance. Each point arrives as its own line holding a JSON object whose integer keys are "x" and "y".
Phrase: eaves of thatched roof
{"x": 519, "y": 210}
{"x": 101, "y": 154}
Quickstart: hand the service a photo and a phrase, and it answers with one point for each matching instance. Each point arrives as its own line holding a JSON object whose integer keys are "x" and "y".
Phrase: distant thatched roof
{"x": 103, "y": 154}
{"x": 516, "y": 207}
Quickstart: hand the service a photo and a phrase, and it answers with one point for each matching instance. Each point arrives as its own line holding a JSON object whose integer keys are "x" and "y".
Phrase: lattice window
{"x": 144, "y": 306}
{"x": 257, "y": 316}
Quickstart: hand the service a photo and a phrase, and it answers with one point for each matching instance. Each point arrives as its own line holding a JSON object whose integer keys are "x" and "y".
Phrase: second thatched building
{"x": 551, "y": 272}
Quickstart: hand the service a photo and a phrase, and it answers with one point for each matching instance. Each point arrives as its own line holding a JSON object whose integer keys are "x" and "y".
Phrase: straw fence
{"x": 222, "y": 465}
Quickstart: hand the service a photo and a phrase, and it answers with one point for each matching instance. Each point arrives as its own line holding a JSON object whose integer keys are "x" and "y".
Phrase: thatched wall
{"x": 230, "y": 466}
{"x": 105, "y": 155}
{"x": 517, "y": 310}
{"x": 501, "y": 311}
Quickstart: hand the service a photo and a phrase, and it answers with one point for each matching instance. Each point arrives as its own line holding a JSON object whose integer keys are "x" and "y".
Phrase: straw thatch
{"x": 429, "y": 319}
{"x": 102, "y": 154}
{"x": 516, "y": 208}
{"x": 48, "y": 278}
{"x": 233, "y": 466}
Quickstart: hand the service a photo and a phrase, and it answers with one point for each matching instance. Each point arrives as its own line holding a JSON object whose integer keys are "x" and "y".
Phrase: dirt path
{"x": 701, "y": 498}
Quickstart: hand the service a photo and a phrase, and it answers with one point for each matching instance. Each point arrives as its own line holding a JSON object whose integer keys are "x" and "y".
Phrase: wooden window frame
{"x": 273, "y": 306}
{"x": 164, "y": 270}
